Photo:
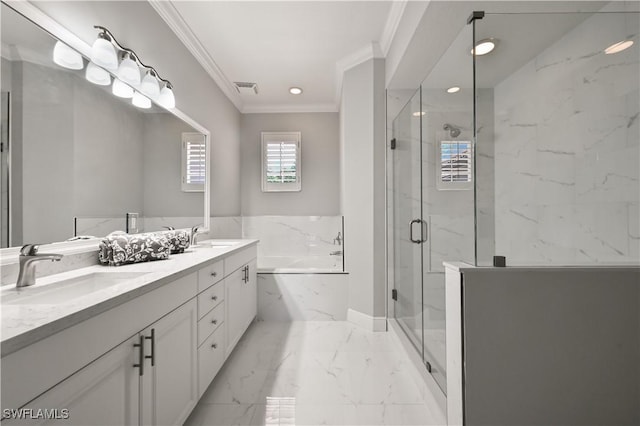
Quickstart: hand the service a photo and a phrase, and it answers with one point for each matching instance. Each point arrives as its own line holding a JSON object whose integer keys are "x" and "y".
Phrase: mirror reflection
{"x": 77, "y": 160}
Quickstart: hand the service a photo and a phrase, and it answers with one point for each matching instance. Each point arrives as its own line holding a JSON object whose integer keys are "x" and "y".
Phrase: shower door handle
{"x": 425, "y": 231}
{"x": 411, "y": 231}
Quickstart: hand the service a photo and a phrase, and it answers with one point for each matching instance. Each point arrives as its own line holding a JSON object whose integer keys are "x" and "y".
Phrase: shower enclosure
{"x": 530, "y": 154}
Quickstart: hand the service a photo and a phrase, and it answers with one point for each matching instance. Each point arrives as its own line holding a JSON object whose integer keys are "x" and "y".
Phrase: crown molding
{"x": 391, "y": 26}
{"x": 174, "y": 20}
{"x": 266, "y": 109}
{"x": 370, "y": 51}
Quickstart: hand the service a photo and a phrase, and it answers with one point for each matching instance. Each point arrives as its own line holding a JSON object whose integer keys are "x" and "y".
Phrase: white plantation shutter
{"x": 454, "y": 165}
{"x": 281, "y": 161}
{"x": 193, "y": 162}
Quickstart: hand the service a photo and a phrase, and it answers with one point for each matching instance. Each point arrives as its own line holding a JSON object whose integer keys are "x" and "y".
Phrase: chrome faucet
{"x": 29, "y": 256}
{"x": 194, "y": 235}
{"x": 338, "y": 239}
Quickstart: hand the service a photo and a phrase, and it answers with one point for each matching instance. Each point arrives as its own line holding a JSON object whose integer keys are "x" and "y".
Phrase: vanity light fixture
{"x": 66, "y": 57}
{"x": 121, "y": 89}
{"x": 128, "y": 72}
{"x": 97, "y": 75}
{"x": 140, "y": 100}
{"x": 295, "y": 91}
{"x": 103, "y": 52}
{"x": 484, "y": 46}
{"x": 453, "y": 89}
{"x": 149, "y": 85}
{"x": 167, "y": 98}
{"x": 618, "y": 47}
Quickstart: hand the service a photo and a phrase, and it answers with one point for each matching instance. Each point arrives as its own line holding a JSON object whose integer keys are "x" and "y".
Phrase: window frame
{"x": 185, "y": 186}
{"x": 275, "y": 137}
{"x": 452, "y": 185}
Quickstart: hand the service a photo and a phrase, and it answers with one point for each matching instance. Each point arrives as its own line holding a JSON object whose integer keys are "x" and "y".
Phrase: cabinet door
{"x": 234, "y": 294}
{"x": 169, "y": 388}
{"x": 251, "y": 294}
{"x": 104, "y": 392}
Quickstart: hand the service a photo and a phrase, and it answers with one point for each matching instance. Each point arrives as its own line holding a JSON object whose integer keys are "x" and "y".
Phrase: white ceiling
{"x": 280, "y": 44}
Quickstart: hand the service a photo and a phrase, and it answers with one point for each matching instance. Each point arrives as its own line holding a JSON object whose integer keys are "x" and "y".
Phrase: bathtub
{"x": 300, "y": 265}
{"x": 305, "y": 288}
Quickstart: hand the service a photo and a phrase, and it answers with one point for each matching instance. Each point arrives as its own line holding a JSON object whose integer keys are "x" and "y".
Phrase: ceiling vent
{"x": 244, "y": 87}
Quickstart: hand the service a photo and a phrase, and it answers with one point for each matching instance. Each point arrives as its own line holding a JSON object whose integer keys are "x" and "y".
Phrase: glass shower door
{"x": 407, "y": 214}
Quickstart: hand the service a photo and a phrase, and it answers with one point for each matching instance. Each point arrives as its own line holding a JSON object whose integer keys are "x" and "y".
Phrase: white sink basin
{"x": 65, "y": 290}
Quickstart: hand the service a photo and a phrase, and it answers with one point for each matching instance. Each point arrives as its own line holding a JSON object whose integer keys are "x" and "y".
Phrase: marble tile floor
{"x": 314, "y": 373}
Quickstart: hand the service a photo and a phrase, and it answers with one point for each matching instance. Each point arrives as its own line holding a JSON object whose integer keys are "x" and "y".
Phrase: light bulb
{"x": 121, "y": 89}
{"x": 97, "y": 75}
{"x": 484, "y": 46}
{"x": 140, "y": 100}
{"x": 618, "y": 47}
{"x": 104, "y": 54}
{"x": 167, "y": 99}
{"x": 128, "y": 71}
{"x": 66, "y": 57}
{"x": 150, "y": 85}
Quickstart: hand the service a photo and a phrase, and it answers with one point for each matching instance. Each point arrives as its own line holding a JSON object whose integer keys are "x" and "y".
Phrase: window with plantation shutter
{"x": 454, "y": 165}
{"x": 194, "y": 156}
{"x": 281, "y": 168}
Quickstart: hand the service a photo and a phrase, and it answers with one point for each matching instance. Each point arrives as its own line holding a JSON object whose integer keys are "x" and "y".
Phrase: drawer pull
{"x": 215, "y": 321}
{"x": 214, "y": 274}
{"x": 214, "y": 346}
{"x": 214, "y": 298}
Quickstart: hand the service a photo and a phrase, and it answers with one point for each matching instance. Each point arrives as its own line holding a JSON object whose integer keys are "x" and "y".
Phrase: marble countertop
{"x": 24, "y": 324}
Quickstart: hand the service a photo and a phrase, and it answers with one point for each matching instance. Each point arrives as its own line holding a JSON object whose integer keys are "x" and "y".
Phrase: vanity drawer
{"x": 210, "y": 275}
{"x": 210, "y": 322}
{"x": 239, "y": 259}
{"x": 210, "y": 359}
{"x": 210, "y": 298}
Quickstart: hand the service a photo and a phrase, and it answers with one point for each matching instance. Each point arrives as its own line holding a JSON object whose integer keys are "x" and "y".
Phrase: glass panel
{"x": 407, "y": 208}
{"x": 562, "y": 118}
{"x": 447, "y": 202}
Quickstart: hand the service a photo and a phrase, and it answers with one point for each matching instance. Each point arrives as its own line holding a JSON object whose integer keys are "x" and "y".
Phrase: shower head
{"x": 453, "y": 130}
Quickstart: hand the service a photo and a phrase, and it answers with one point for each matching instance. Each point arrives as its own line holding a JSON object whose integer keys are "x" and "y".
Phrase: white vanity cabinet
{"x": 130, "y": 386}
{"x": 146, "y": 361}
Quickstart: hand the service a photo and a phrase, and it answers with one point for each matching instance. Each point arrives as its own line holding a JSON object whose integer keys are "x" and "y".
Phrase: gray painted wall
{"x": 196, "y": 93}
{"x": 363, "y": 163}
{"x": 162, "y": 155}
{"x": 552, "y": 346}
{"x": 320, "y": 195}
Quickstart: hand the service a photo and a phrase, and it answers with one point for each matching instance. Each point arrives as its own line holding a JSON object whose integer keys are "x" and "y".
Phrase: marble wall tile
{"x": 294, "y": 236}
{"x": 302, "y": 297}
{"x": 99, "y": 227}
{"x": 567, "y": 151}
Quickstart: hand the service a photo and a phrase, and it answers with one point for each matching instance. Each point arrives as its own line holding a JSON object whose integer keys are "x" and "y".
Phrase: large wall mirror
{"x": 76, "y": 159}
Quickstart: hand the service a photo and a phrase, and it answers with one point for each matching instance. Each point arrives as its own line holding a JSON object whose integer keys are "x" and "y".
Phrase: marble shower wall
{"x": 567, "y": 151}
{"x": 294, "y": 236}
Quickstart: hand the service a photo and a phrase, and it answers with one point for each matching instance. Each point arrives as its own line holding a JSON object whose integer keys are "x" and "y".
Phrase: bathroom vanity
{"x": 135, "y": 344}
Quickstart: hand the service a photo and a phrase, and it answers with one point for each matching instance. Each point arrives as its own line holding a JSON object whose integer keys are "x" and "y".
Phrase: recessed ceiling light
{"x": 453, "y": 89}
{"x": 618, "y": 47}
{"x": 484, "y": 46}
{"x": 419, "y": 113}
{"x": 295, "y": 90}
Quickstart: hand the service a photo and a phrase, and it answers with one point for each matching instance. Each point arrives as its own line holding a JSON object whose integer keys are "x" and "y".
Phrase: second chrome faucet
{"x": 29, "y": 256}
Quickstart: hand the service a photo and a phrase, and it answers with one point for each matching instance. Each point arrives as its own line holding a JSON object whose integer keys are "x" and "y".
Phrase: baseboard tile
{"x": 367, "y": 321}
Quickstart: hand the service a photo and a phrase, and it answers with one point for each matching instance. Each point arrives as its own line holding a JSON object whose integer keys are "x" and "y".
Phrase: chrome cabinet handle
{"x": 214, "y": 274}
{"x": 214, "y": 298}
{"x": 247, "y": 273}
{"x": 140, "y": 363}
{"x": 215, "y": 321}
{"x": 152, "y": 357}
{"x": 214, "y": 346}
